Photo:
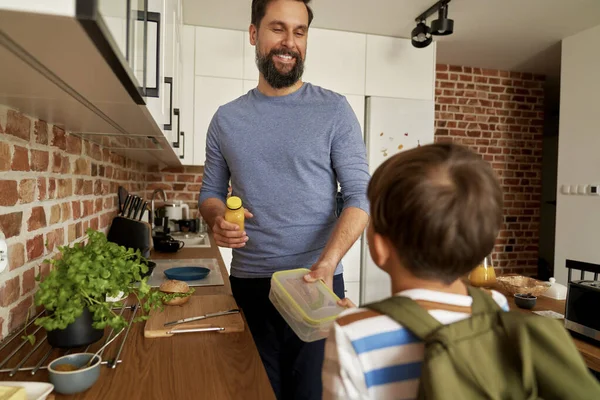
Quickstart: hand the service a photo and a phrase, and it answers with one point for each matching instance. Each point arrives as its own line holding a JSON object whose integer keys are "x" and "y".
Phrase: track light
{"x": 442, "y": 26}
{"x": 421, "y": 35}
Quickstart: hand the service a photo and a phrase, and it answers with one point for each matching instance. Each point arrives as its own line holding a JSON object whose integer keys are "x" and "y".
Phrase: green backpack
{"x": 494, "y": 354}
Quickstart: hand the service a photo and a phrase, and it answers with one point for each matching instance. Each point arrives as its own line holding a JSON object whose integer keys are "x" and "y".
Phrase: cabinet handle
{"x": 153, "y": 17}
{"x": 169, "y": 81}
{"x": 182, "y": 156}
{"x": 176, "y": 113}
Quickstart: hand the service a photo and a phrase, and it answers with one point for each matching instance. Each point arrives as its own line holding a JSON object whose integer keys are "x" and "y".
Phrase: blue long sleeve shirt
{"x": 284, "y": 156}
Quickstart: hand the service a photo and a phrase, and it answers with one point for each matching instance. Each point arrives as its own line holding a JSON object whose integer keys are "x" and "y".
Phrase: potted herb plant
{"x": 75, "y": 292}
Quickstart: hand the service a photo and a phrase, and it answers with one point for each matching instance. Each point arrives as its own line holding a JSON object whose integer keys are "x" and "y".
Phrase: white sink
{"x": 192, "y": 240}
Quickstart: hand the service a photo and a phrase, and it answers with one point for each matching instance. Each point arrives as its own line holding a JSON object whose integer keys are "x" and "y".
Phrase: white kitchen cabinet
{"x": 155, "y": 60}
{"x": 188, "y": 40}
{"x": 219, "y": 52}
{"x": 171, "y": 66}
{"x": 358, "y": 105}
{"x": 397, "y": 69}
{"x": 336, "y": 60}
{"x": 118, "y": 29}
{"x": 210, "y": 94}
{"x": 249, "y": 85}
{"x": 352, "y": 291}
{"x": 250, "y": 69}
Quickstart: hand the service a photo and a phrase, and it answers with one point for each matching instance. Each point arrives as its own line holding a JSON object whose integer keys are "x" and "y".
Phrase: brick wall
{"x": 500, "y": 115}
{"x": 179, "y": 183}
{"x": 53, "y": 186}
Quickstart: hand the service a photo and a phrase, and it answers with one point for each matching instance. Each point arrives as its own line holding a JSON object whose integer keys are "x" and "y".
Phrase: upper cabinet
{"x": 219, "y": 53}
{"x": 397, "y": 69}
{"x": 336, "y": 60}
{"x": 106, "y": 55}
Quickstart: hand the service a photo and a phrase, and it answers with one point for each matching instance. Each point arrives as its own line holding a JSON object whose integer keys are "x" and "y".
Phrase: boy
{"x": 435, "y": 214}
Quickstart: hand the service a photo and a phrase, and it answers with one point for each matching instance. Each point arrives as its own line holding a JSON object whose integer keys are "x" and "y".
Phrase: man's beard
{"x": 273, "y": 76}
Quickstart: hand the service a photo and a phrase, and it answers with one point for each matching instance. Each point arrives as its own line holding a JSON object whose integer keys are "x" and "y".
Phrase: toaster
{"x": 581, "y": 313}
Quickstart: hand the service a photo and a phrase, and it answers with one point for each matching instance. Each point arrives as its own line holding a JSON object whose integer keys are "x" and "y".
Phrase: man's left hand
{"x": 321, "y": 271}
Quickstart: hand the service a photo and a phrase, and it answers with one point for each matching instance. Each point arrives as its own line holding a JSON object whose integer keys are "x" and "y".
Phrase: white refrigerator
{"x": 392, "y": 125}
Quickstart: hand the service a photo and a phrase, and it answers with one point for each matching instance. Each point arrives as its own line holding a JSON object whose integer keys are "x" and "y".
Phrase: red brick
{"x": 73, "y": 145}
{"x": 20, "y": 160}
{"x": 163, "y": 186}
{"x": 8, "y": 193}
{"x": 59, "y": 138}
{"x": 18, "y": 125}
{"x": 455, "y": 68}
{"x": 9, "y": 292}
{"x": 87, "y": 207}
{"x": 28, "y": 280}
{"x": 18, "y": 314}
{"x": 51, "y": 188}
{"x": 441, "y": 76}
{"x": 37, "y": 219}
{"x": 5, "y": 157}
{"x": 54, "y": 214}
{"x": 94, "y": 223}
{"x": 16, "y": 256}
{"x": 78, "y": 230}
{"x": 76, "y": 207}
{"x": 82, "y": 167}
{"x": 65, "y": 188}
{"x": 35, "y": 247}
{"x": 65, "y": 211}
{"x": 39, "y": 160}
{"x": 41, "y": 132}
{"x": 42, "y": 188}
{"x": 55, "y": 238}
{"x": 88, "y": 187}
{"x": 98, "y": 206}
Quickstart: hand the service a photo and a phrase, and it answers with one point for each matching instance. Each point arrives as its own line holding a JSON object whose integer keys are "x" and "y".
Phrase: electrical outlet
{"x": 3, "y": 253}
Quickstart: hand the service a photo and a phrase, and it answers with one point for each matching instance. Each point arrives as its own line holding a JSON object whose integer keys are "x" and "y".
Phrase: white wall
{"x": 578, "y": 216}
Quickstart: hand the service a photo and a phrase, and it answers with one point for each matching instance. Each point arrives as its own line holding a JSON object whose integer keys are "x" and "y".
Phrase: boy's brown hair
{"x": 441, "y": 207}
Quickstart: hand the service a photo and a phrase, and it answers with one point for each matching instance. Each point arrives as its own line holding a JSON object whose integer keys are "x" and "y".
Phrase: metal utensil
{"x": 132, "y": 206}
{"x": 102, "y": 348}
{"x": 217, "y": 314}
{"x": 138, "y": 207}
{"x": 214, "y": 329}
{"x": 144, "y": 208}
{"x": 127, "y": 201}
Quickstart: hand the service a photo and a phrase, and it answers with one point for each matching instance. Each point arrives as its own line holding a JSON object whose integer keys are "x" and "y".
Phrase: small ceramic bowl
{"x": 80, "y": 380}
{"x": 526, "y": 301}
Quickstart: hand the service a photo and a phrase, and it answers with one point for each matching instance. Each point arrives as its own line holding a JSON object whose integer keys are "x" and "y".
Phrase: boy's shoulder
{"x": 363, "y": 318}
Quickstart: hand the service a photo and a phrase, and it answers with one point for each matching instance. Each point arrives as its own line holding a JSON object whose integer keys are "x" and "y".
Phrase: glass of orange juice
{"x": 483, "y": 275}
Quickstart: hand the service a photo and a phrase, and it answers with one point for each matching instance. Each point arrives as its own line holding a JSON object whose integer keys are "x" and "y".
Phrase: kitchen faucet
{"x": 151, "y": 216}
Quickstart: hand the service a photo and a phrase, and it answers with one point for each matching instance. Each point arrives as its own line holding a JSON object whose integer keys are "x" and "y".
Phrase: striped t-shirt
{"x": 370, "y": 356}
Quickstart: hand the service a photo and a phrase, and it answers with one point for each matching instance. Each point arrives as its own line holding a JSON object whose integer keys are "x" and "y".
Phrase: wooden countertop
{"x": 186, "y": 366}
{"x": 590, "y": 353}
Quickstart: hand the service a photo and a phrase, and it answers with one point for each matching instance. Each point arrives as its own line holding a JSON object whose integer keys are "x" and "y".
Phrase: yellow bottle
{"x": 483, "y": 275}
{"x": 235, "y": 212}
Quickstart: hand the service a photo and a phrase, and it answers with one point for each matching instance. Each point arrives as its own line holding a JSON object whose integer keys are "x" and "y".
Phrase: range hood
{"x": 62, "y": 65}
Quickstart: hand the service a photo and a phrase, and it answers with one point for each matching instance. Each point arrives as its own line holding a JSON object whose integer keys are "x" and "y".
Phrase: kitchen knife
{"x": 138, "y": 207}
{"x": 132, "y": 206}
{"x": 122, "y": 194}
{"x": 144, "y": 208}
{"x": 127, "y": 201}
{"x": 217, "y": 314}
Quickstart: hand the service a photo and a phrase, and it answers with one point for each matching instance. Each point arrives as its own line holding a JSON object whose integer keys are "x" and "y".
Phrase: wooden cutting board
{"x": 196, "y": 306}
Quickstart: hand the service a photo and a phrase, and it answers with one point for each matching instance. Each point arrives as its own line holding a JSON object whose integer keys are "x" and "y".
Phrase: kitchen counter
{"x": 186, "y": 366}
{"x": 589, "y": 352}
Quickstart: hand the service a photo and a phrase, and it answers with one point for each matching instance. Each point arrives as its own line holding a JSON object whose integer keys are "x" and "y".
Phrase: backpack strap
{"x": 482, "y": 301}
{"x": 409, "y": 314}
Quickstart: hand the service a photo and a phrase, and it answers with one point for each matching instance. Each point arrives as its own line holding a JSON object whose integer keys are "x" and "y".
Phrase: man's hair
{"x": 259, "y": 9}
{"x": 440, "y": 205}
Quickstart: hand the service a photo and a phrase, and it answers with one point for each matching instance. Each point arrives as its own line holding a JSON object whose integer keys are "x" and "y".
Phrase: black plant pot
{"x": 78, "y": 334}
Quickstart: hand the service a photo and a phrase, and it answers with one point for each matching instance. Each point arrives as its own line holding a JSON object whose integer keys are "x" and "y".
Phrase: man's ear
{"x": 382, "y": 249}
{"x": 253, "y": 31}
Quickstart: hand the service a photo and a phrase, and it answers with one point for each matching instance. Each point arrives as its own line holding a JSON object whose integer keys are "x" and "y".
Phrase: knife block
{"x": 131, "y": 233}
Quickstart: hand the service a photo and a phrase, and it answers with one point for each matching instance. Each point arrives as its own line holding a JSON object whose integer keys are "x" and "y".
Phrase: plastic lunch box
{"x": 309, "y": 308}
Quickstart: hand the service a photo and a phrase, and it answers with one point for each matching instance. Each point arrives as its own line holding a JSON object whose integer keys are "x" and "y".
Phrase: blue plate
{"x": 187, "y": 273}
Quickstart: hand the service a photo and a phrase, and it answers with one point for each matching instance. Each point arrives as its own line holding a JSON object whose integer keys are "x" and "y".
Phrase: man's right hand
{"x": 227, "y": 234}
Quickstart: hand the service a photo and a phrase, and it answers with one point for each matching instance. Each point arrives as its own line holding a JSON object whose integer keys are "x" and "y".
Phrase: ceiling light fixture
{"x": 421, "y": 35}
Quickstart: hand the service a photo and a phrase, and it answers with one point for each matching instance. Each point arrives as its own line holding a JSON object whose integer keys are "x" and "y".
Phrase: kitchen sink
{"x": 192, "y": 240}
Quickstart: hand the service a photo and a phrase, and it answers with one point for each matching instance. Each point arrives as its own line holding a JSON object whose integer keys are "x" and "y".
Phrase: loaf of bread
{"x": 12, "y": 393}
